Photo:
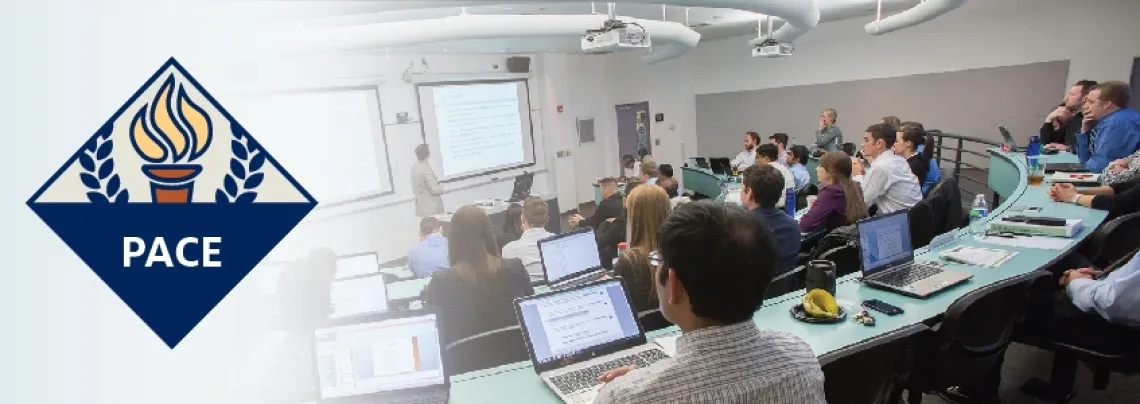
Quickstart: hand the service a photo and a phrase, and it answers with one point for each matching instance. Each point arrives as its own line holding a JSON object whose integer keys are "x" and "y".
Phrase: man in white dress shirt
{"x": 722, "y": 355}
{"x": 888, "y": 184}
{"x": 748, "y": 156}
{"x": 534, "y": 217}
{"x": 767, "y": 154}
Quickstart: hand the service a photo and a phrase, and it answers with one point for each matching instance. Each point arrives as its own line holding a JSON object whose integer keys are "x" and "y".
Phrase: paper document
{"x": 395, "y": 356}
{"x": 1042, "y": 242}
{"x": 983, "y": 257}
{"x": 668, "y": 344}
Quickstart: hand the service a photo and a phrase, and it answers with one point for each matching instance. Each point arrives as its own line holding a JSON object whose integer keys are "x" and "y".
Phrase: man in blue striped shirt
{"x": 1110, "y": 130}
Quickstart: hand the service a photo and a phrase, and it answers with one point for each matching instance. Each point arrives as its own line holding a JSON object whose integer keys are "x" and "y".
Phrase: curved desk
{"x": 487, "y": 386}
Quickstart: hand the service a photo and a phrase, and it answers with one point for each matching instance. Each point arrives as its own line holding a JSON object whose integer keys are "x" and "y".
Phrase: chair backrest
{"x": 923, "y": 225}
{"x": 840, "y": 246}
{"x": 803, "y": 193}
{"x": 1113, "y": 240}
{"x": 870, "y": 371}
{"x": 485, "y": 350}
{"x": 978, "y": 327}
{"x": 653, "y": 320}
{"x": 787, "y": 282}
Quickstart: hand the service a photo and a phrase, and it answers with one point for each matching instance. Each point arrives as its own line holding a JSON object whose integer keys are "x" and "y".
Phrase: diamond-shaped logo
{"x": 171, "y": 203}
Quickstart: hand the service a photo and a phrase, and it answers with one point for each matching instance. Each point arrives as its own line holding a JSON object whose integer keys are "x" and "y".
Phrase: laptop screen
{"x": 566, "y": 323}
{"x": 884, "y": 240}
{"x": 378, "y": 357}
{"x": 354, "y": 296}
{"x": 569, "y": 254}
{"x": 356, "y": 265}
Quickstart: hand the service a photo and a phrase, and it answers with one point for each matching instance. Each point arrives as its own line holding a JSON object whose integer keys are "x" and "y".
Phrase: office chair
{"x": 485, "y": 350}
{"x": 974, "y": 334}
{"x": 653, "y": 320}
{"x": 872, "y": 371}
{"x": 803, "y": 193}
{"x": 922, "y": 223}
{"x": 1114, "y": 240}
{"x": 787, "y": 282}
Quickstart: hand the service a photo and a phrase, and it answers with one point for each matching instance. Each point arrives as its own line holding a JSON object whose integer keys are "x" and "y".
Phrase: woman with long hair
{"x": 646, "y": 208}
{"x": 840, "y": 201}
{"x": 911, "y": 137}
{"x": 475, "y": 294}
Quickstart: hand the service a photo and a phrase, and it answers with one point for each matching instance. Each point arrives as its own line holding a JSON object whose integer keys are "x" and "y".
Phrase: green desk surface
{"x": 488, "y": 385}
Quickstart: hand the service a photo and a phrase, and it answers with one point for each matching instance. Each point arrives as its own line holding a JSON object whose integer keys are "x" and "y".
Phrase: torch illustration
{"x": 170, "y": 132}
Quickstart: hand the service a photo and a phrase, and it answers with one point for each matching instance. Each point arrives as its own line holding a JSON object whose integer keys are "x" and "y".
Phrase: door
{"x": 633, "y": 130}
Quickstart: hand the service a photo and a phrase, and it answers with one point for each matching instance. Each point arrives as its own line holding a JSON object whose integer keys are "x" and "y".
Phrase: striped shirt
{"x": 736, "y": 363}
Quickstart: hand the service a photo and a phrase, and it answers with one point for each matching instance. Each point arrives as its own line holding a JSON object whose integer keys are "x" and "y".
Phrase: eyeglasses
{"x": 655, "y": 258}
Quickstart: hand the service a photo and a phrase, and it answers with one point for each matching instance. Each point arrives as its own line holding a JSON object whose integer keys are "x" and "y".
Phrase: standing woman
{"x": 828, "y": 137}
{"x": 910, "y": 137}
{"x": 475, "y": 295}
{"x": 840, "y": 201}
{"x": 646, "y": 208}
{"x": 425, "y": 185}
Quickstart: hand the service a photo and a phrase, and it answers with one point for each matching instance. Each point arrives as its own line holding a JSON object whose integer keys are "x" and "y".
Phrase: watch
{"x": 1076, "y": 199}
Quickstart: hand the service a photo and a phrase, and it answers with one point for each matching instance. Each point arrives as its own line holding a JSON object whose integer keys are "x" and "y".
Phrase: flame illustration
{"x": 171, "y": 128}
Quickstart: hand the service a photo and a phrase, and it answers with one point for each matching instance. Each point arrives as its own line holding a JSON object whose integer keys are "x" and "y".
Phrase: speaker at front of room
{"x": 518, "y": 64}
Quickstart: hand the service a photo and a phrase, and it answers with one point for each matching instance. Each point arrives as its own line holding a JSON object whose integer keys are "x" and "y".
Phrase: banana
{"x": 819, "y": 303}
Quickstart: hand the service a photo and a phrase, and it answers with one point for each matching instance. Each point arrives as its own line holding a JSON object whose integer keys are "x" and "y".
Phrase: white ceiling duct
{"x": 670, "y": 39}
{"x": 923, "y": 12}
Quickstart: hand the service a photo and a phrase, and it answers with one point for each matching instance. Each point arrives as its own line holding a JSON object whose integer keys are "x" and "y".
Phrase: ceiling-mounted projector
{"x": 771, "y": 48}
{"x": 615, "y": 35}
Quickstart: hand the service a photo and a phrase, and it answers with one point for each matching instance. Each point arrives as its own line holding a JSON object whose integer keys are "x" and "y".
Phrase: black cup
{"x": 820, "y": 275}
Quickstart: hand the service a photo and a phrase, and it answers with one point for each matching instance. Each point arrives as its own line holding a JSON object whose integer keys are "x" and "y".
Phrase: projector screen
{"x": 476, "y": 127}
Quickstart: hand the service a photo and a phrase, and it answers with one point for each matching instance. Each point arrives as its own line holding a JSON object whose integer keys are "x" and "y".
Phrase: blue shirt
{"x": 1113, "y": 296}
{"x": 429, "y": 256}
{"x": 1115, "y": 136}
{"x": 787, "y": 234}
{"x": 800, "y": 175}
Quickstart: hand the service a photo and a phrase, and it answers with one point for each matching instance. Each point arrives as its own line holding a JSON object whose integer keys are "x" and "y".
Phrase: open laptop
{"x": 575, "y": 335}
{"x": 570, "y": 259}
{"x": 887, "y": 259}
{"x": 365, "y": 294}
{"x": 720, "y": 165}
{"x": 1008, "y": 139}
{"x": 392, "y": 358}
{"x": 348, "y": 266}
{"x": 521, "y": 191}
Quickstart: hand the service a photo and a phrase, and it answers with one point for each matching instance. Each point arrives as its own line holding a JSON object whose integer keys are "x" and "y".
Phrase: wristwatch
{"x": 1076, "y": 198}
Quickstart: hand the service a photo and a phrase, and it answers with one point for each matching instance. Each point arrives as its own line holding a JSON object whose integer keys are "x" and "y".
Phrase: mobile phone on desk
{"x": 882, "y": 307}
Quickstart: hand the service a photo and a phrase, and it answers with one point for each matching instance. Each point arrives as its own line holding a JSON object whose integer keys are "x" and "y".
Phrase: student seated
{"x": 430, "y": 255}
{"x": 797, "y": 157}
{"x": 909, "y": 139}
{"x": 888, "y": 184}
{"x": 722, "y": 355}
{"x": 475, "y": 295}
{"x": 666, "y": 171}
{"x": 1059, "y": 132}
{"x": 630, "y": 167}
{"x": 840, "y": 202}
{"x": 609, "y": 208}
{"x": 646, "y": 208}
{"x": 512, "y": 226}
{"x": 746, "y": 157}
{"x": 534, "y": 217}
{"x": 1110, "y": 130}
{"x": 762, "y": 186}
{"x": 766, "y": 154}
{"x": 781, "y": 142}
{"x": 670, "y": 186}
{"x": 1118, "y": 199}
{"x": 649, "y": 171}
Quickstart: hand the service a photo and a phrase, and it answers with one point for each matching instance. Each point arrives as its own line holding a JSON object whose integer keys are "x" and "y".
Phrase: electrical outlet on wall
{"x": 656, "y": 142}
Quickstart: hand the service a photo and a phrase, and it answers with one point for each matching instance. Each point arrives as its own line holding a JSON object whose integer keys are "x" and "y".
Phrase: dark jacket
{"x": 786, "y": 232}
{"x": 1125, "y": 200}
{"x": 608, "y": 236}
{"x": 609, "y": 208}
{"x": 635, "y": 273}
{"x": 467, "y": 309}
{"x": 1066, "y": 134}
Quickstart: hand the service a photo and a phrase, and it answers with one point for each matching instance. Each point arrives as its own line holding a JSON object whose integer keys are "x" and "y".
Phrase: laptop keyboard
{"x": 434, "y": 397}
{"x": 586, "y": 378}
{"x": 907, "y": 274}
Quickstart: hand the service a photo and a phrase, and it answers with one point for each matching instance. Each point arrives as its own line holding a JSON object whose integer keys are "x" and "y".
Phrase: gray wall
{"x": 969, "y": 102}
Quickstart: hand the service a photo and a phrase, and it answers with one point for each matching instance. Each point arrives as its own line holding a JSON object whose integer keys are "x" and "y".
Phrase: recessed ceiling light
{"x": 445, "y": 50}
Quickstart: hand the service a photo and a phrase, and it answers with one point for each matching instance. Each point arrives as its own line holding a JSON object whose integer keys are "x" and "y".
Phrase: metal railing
{"x": 957, "y": 145}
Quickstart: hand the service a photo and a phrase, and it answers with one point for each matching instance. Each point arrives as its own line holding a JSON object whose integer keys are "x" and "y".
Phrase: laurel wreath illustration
{"x": 240, "y": 185}
{"x": 99, "y": 170}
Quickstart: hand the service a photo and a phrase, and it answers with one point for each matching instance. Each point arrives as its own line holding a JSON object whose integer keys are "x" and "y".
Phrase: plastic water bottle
{"x": 1034, "y": 147}
{"x": 790, "y": 202}
{"x": 978, "y": 211}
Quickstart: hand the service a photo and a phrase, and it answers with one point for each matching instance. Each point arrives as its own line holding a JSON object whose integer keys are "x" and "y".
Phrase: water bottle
{"x": 1034, "y": 148}
{"x": 978, "y": 212}
{"x": 790, "y": 202}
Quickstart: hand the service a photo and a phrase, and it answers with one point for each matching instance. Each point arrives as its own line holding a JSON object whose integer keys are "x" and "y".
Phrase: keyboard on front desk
{"x": 585, "y": 378}
{"x": 433, "y": 397}
{"x": 907, "y": 274}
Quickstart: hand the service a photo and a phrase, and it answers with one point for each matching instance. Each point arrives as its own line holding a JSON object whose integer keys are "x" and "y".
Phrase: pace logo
{"x": 171, "y": 203}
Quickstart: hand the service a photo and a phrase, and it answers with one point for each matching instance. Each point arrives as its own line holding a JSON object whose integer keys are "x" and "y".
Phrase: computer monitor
{"x": 358, "y": 295}
{"x": 521, "y": 190}
{"x": 396, "y": 353}
{"x": 357, "y": 264}
{"x": 884, "y": 241}
{"x": 720, "y": 166}
{"x": 569, "y": 254}
{"x": 589, "y": 320}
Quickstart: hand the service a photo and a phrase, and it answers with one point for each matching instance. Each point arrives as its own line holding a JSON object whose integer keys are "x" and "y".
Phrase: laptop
{"x": 574, "y": 335}
{"x": 720, "y": 165}
{"x": 1008, "y": 139}
{"x": 521, "y": 191}
{"x": 887, "y": 259}
{"x": 365, "y": 294}
{"x": 392, "y": 358}
{"x": 348, "y": 266}
{"x": 570, "y": 259}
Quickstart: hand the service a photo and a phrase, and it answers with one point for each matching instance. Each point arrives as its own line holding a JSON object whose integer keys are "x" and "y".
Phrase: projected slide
{"x": 474, "y": 128}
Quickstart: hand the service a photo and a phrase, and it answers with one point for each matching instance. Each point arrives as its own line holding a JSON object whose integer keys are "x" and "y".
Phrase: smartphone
{"x": 882, "y": 307}
{"x": 1033, "y": 209}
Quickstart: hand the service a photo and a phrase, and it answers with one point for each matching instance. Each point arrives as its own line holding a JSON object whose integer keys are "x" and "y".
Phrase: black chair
{"x": 840, "y": 246}
{"x": 485, "y": 350}
{"x": 872, "y": 371}
{"x": 846, "y": 259}
{"x": 653, "y": 320}
{"x": 1114, "y": 240}
{"x": 786, "y": 282}
{"x": 973, "y": 336}
{"x": 922, "y": 223}
{"x": 803, "y": 193}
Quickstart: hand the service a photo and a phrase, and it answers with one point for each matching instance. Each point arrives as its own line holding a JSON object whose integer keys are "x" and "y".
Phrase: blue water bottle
{"x": 1034, "y": 148}
{"x": 790, "y": 202}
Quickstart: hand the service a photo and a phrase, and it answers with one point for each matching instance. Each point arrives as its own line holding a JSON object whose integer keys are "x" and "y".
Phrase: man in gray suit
{"x": 425, "y": 186}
